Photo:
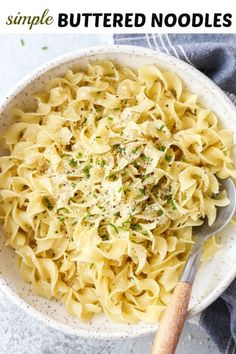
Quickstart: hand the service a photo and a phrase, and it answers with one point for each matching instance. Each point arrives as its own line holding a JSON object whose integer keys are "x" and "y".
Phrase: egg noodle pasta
{"x": 103, "y": 183}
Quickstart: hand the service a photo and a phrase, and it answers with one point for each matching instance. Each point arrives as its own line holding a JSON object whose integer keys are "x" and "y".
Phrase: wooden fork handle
{"x": 172, "y": 323}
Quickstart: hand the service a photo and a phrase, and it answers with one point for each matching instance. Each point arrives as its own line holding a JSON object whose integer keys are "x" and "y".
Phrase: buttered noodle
{"x": 103, "y": 183}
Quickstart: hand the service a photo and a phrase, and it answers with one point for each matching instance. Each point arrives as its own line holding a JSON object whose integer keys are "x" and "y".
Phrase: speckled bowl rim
{"x": 133, "y": 50}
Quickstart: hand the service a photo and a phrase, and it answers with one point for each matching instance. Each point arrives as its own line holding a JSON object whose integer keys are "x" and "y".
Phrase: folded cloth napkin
{"x": 215, "y": 56}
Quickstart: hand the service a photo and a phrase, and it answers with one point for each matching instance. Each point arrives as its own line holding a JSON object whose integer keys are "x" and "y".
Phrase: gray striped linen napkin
{"x": 215, "y": 56}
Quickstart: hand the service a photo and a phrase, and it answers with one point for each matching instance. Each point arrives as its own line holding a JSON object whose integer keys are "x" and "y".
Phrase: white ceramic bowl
{"x": 213, "y": 277}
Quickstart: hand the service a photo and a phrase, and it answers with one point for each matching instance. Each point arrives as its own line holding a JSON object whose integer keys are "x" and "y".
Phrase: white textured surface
{"x": 20, "y": 333}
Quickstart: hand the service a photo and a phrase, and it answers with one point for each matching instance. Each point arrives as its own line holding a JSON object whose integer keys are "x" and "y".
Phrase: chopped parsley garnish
{"x": 79, "y": 155}
{"x": 171, "y": 202}
{"x": 135, "y": 150}
{"x": 142, "y": 191}
{"x": 160, "y": 212}
{"x": 101, "y": 163}
{"x": 168, "y": 158}
{"x": 44, "y": 48}
{"x": 63, "y": 209}
{"x": 114, "y": 227}
{"x": 86, "y": 170}
{"x": 127, "y": 189}
{"x": 184, "y": 196}
{"x": 98, "y": 137}
{"x": 48, "y": 203}
{"x": 132, "y": 211}
{"x": 22, "y": 42}
{"x": 73, "y": 199}
{"x": 162, "y": 148}
{"x": 116, "y": 109}
{"x": 112, "y": 176}
{"x": 126, "y": 225}
{"x": 62, "y": 219}
{"x": 74, "y": 223}
{"x": 120, "y": 189}
{"x": 73, "y": 163}
{"x": 224, "y": 152}
{"x": 91, "y": 265}
{"x": 121, "y": 149}
{"x": 136, "y": 227}
{"x": 91, "y": 215}
{"x": 110, "y": 118}
{"x": 145, "y": 158}
{"x": 73, "y": 184}
{"x": 161, "y": 128}
{"x": 147, "y": 176}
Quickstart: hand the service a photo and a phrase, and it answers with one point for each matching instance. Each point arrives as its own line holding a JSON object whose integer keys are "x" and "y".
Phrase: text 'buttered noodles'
{"x": 103, "y": 184}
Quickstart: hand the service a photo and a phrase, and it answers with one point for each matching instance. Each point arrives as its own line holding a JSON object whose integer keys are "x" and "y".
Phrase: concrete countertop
{"x": 19, "y": 333}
